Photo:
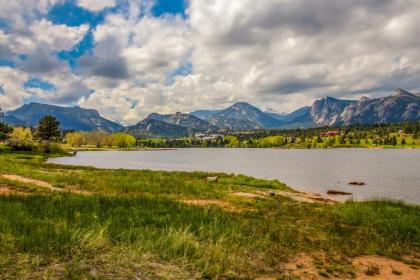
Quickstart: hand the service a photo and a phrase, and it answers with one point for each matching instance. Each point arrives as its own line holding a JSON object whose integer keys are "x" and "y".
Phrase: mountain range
{"x": 401, "y": 106}
{"x": 71, "y": 118}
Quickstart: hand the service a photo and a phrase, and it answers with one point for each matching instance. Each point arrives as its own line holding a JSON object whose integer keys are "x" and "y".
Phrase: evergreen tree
{"x": 5, "y": 129}
{"x": 48, "y": 128}
{"x": 394, "y": 140}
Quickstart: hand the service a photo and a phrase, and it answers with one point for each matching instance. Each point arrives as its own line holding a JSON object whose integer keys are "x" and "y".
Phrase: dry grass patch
{"x": 248, "y": 195}
{"x": 213, "y": 202}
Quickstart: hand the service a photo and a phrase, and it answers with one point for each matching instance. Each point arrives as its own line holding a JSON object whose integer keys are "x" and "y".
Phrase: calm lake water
{"x": 387, "y": 173}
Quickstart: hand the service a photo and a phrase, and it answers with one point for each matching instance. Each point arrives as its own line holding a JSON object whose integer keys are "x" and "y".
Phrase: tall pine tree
{"x": 5, "y": 130}
{"x": 48, "y": 129}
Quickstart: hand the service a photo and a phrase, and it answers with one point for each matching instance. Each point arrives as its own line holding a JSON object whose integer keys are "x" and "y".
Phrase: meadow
{"x": 85, "y": 223}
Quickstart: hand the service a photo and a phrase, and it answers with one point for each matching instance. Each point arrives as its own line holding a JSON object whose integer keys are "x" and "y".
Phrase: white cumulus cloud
{"x": 96, "y": 5}
{"x": 281, "y": 54}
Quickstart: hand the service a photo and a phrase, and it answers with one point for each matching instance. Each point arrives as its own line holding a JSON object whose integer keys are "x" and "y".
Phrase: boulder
{"x": 336, "y": 192}
{"x": 355, "y": 183}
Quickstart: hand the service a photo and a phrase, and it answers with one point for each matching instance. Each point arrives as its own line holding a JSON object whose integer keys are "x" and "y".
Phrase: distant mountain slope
{"x": 291, "y": 116}
{"x": 327, "y": 111}
{"x": 156, "y": 128}
{"x": 70, "y": 117}
{"x": 402, "y": 106}
{"x": 171, "y": 125}
{"x": 243, "y": 116}
{"x": 13, "y": 121}
{"x": 204, "y": 114}
{"x": 192, "y": 123}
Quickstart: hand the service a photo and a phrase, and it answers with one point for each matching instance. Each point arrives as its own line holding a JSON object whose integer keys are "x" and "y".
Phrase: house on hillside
{"x": 208, "y": 137}
{"x": 330, "y": 133}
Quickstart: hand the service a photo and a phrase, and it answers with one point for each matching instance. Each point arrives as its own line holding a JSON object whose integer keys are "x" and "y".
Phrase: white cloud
{"x": 281, "y": 54}
{"x": 57, "y": 36}
{"x": 96, "y": 5}
{"x": 11, "y": 81}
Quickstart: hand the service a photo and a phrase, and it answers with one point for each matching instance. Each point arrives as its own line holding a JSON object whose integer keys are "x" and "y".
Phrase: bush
{"x": 23, "y": 146}
{"x": 50, "y": 147}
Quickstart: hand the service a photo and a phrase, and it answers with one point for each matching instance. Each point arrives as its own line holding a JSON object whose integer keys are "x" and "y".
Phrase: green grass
{"x": 135, "y": 225}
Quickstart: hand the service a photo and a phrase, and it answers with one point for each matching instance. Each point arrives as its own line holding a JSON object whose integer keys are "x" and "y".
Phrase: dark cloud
{"x": 296, "y": 85}
{"x": 40, "y": 61}
{"x": 106, "y": 61}
{"x": 72, "y": 93}
{"x": 5, "y": 52}
{"x": 114, "y": 68}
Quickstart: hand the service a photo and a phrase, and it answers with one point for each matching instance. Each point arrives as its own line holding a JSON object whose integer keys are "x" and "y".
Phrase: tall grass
{"x": 136, "y": 225}
{"x": 208, "y": 241}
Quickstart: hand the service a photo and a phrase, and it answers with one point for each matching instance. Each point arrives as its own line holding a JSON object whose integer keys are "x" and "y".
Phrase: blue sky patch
{"x": 3, "y": 24}
{"x": 175, "y": 7}
{"x": 7, "y": 63}
{"x": 38, "y": 83}
{"x": 69, "y": 14}
{"x": 184, "y": 70}
{"x": 23, "y": 57}
{"x": 86, "y": 45}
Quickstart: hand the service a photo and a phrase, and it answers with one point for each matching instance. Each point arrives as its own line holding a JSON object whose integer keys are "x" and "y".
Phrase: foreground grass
{"x": 135, "y": 225}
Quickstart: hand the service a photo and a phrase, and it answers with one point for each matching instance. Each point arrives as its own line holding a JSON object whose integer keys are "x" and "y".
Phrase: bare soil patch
{"x": 388, "y": 269}
{"x": 303, "y": 267}
{"x": 43, "y": 184}
{"x": 307, "y": 267}
{"x": 306, "y": 197}
{"x": 25, "y": 180}
{"x": 296, "y": 196}
{"x": 6, "y": 190}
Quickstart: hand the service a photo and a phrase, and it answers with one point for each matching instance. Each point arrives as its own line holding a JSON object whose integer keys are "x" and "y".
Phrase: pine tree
{"x": 394, "y": 140}
{"x": 48, "y": 128}
{"x": 5, "y": 130}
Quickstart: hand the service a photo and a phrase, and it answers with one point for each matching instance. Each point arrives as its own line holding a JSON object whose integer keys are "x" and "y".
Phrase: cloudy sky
{"x": 127, "y": 58}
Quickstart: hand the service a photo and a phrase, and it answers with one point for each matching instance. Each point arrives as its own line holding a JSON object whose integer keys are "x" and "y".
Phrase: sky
{"x": 129, "y": 58}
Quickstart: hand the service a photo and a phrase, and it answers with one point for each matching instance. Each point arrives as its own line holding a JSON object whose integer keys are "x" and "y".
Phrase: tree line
{"x": 48, "y": 133}
{"x": 100, "y": 139}
{"x": 48, "y": 136}
{"x": 381, "y": 135}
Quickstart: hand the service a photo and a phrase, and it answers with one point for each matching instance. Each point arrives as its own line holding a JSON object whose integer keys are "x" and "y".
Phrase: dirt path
{"x": 6, "y": 190}
{"x": 25, "y": 180}
{"x": 42, "y": 184}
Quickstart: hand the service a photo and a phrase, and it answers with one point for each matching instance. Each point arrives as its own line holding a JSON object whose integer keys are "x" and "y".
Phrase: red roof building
{"x": 329, "y": 133}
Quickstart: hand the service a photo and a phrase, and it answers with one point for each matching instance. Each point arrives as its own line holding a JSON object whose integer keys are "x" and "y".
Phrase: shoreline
{"x": 311, "y": 185}
{"x": 140, "y": 149}
{"x": 105, "y": 222}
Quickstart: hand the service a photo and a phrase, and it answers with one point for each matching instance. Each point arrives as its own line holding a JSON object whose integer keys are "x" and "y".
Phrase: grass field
{"x": 120, "y": 224}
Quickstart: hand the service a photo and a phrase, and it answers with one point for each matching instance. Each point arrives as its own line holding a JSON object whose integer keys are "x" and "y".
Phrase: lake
{"x": 388, "y": 173}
